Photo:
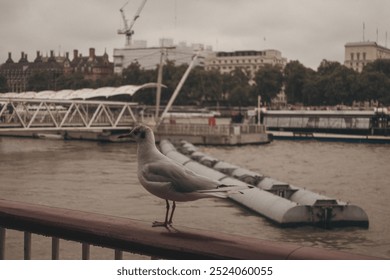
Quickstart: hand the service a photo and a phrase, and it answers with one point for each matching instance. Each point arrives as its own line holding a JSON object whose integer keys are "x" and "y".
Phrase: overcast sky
{"x": 304, "y": 30}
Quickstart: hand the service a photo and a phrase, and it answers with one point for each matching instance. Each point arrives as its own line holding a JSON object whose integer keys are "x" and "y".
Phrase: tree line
{"x": 331, "y": 84}
{"x": 334, "y": 84}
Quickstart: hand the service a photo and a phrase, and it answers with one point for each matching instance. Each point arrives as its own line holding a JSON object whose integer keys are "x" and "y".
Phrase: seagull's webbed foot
{"x": 166, "y": 223}
{"x": 160, "y": 224}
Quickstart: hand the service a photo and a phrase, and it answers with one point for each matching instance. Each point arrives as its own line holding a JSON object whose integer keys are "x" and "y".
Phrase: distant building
{"x": 92, "y": 67}
{"x": 149, "y": 57}
{"x": 359, "y": 54}
{"x": 17, "y": 74}
{"x": 226, "y": 62}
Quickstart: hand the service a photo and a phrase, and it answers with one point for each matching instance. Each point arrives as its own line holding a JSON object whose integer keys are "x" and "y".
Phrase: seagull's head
{"x": 142, "y": 133}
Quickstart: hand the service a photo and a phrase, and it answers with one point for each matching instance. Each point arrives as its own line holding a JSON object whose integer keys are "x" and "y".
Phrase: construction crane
{"x": 128, "y": 29}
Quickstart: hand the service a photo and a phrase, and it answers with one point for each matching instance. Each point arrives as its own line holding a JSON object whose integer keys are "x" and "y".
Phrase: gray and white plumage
{"x": 166, "y": 179}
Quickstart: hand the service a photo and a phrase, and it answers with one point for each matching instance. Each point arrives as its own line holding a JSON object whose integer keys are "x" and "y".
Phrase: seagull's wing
{"x": 181, "y": 178}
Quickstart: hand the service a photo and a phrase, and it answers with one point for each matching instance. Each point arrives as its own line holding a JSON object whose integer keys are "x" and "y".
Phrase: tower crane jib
{"x": 128, "y": 29}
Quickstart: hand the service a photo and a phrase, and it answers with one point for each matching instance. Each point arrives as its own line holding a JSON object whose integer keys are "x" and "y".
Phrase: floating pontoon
{"x": 282, "y": 203}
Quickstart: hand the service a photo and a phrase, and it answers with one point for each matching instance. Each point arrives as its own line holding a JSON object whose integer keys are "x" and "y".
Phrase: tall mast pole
{"x": 159, "y": 81}
{"x": 178, "y": 88}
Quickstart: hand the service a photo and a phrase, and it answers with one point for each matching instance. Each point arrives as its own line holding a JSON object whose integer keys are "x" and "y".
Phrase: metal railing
{"x": 126, "y": 235}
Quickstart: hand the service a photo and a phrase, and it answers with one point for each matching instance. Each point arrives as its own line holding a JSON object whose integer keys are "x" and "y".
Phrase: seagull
{"x": 167, "y": 179}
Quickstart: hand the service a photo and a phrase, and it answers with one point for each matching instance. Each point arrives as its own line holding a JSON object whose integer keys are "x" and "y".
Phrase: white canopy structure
{"x": 80, "y": 94}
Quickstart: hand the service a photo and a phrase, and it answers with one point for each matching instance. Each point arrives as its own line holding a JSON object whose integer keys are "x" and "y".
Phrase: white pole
{"x": 176, "y": 92}
{"x": 159, "y": 81}
{"x": 258, "y": 109}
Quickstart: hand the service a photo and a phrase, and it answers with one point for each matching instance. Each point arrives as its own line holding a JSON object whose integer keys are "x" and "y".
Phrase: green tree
{"x": 239, "y": 96}
{"x": 374, "y": 82}
{"x": 43, "y": 80}
{"x": 135, "y": 75}
{"x": 203, "y": 87}
{"x": 327, "y": 67}
{"x": 296, "y": 76}
{"x": 269, "y": 82}
{"x": 312, "y": 92}
{"x": 74, "y": 81}
{"x": 233, "y": 85}
{"x": 379, "y": 65}
{"x": 172, "y": 75}
{"x": 112, "y": 80}
{"x": 373, "y": 86}
{"x": 211, "y": 82}
{"x": 337, "y": 85}
{"x": 132, "y": 74}
{"x": 332, "y": 84}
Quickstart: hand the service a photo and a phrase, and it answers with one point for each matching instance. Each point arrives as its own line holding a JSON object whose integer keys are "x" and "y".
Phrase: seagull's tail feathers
{"x": 223, "y": 191}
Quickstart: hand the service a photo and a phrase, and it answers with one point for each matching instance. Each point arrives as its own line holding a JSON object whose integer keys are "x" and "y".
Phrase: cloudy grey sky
{"x": 304, "y": 30}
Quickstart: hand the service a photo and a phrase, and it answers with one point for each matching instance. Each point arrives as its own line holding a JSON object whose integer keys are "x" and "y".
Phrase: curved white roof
{"x": 86, "y": 93}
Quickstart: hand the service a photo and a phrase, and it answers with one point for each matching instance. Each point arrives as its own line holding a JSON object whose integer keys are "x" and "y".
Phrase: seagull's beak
{"x": 128, "y": 135}
{"x": 131, "y": 133}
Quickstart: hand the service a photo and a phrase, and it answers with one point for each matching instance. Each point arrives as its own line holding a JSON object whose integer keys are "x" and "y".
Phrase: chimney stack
{"x": 91, "y": 53}
{"x": 9, "y": 60}
{"x": 75, "y": 54}
{"x": 38, "y": 58}
{"x": 51, "y": 57}
{"x": 23, "y": 58}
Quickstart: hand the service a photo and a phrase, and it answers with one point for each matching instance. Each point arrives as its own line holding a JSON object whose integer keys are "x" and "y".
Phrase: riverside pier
{"x": 91, "y": 114}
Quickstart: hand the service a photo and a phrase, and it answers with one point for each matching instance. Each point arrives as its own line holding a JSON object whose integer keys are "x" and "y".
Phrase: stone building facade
{"x": 359, "y": 54}
{"x": 226, "y": 62}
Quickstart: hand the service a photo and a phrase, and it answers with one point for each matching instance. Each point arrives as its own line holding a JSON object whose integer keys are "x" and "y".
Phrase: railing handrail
{"x": 139, "y": 237}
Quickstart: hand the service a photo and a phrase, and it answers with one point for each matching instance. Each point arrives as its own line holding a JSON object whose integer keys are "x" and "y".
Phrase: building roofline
{"x": 244, "y": 52}
{"x": 366, "y": 43}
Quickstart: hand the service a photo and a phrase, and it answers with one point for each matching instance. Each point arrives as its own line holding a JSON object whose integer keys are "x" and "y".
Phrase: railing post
{"x": 118, "y": 254}
{"x": 27, "y": 245}
{"x": 85, "y": 251}
{"x": 2, "y": 243}
{"x": 55, "y": 248}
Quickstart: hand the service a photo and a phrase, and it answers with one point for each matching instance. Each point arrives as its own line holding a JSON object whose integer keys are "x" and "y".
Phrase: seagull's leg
{"x": 165, "y": 223}
{"x": 166, "y": 214}
{"x": 173, "y": 210}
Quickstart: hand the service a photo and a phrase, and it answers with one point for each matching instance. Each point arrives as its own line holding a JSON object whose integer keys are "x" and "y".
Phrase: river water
{"x": 101, "y": 178}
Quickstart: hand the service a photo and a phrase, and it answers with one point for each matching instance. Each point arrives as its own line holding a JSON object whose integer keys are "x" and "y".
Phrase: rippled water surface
{"x": 101, "y": 178}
